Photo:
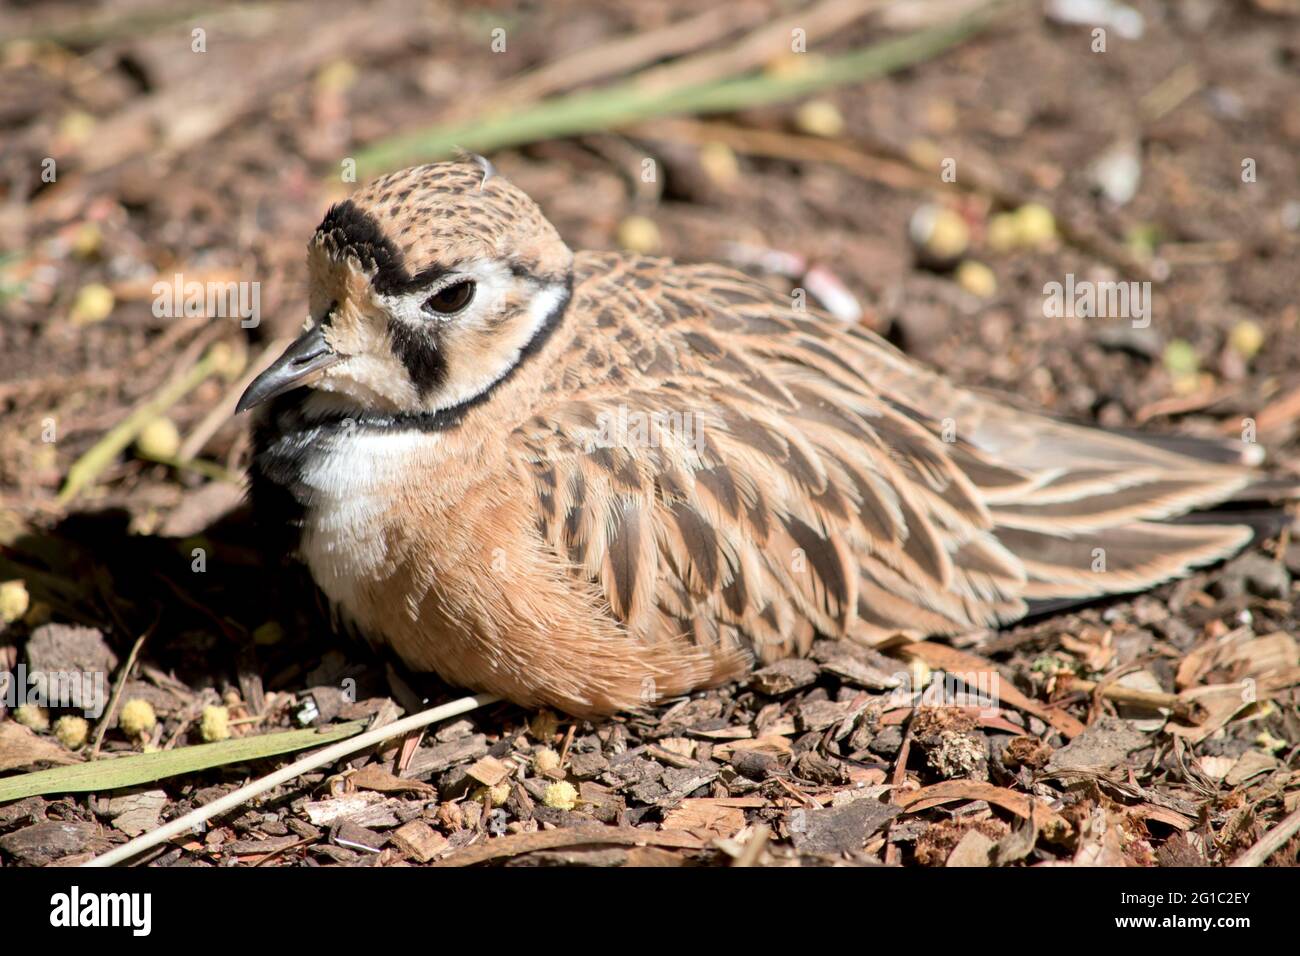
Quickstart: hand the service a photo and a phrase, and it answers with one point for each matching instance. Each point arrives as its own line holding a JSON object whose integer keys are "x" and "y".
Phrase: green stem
{"x": 628, "y": 102}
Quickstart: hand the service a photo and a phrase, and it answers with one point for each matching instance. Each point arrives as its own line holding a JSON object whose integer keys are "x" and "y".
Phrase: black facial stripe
{"x": 419, "y": 352}
{"x": 348, "y": 230}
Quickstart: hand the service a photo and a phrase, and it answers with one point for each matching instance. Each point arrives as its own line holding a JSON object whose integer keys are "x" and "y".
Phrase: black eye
{"x": 450, "y": 298}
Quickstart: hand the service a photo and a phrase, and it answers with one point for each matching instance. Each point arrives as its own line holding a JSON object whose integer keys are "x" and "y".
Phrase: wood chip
{"x": 489, "y": 771}
{"x": 134, "y": 813}
{"x": 44, "y": 842}
{"x": 712, "y": 816}
{"x": 784, "y": 676}
{"x": 974, "y": 849}
{"x": 1104, "y": 744}
{"x": 839, "y": 829}
{"x": 419, "y": 841}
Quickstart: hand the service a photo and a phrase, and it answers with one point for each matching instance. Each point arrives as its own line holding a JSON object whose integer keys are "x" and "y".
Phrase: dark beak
{"x": 309, "y": 353}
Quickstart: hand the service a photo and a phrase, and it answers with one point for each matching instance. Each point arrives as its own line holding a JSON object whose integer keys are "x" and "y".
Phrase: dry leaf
{"x": 19, "y": 747}
{"x": 950, "y": 790}
{"x": 375, "y": 777}
{"x": 954, "y": 661}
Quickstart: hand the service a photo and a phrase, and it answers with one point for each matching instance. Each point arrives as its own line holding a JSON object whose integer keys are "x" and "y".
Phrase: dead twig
{"x": 119, "y": 687}
{"x": 1183, "y": 709}
{"x": 1271, "y": 842}
{"x": 321, "y": 758}
{"x": 520, "y": 843}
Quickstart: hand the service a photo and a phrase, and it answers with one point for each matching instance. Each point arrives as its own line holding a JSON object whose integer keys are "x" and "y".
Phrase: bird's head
{"x": 427, "y": 288}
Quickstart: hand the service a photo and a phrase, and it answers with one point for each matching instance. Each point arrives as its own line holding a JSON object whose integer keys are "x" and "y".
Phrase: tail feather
{"x": 1120, "y": 559}
{"x": 1105, "y": 512}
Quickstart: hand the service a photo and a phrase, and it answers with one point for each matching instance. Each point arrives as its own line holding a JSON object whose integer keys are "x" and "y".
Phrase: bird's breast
{"x": 356, "y": 494}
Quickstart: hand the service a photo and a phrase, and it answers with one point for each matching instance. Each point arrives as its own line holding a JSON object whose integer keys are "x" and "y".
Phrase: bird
{"x": 593, "y": 480}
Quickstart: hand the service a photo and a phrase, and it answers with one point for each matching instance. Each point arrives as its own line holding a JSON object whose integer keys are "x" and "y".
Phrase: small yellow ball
{"x": 159, "y": 439}
{"x": 215, "y": 724}
{"x": 72, "y": 731}
{"x": 1003, "y": 234}
{"x": 1035, "y": 225}
{"x": 137, "y": 717}
{"x": 940, "y": 232}
{"x": 14, "y": 601}
{"x": 94, "y": 303}
{"x": 267, "y": 634}
{"x": 720, "y": 163}
{"x": 560, "y": 796}
{"x": 1246, "y": 338}
{"x": 819, "y": 118}
{"x": 1180, "y": 358}
{"x": 32, "y": 717}
{"x": 639, "y": 234}
{"x": 545, "y": 759}
{"x": 977, "y": 279}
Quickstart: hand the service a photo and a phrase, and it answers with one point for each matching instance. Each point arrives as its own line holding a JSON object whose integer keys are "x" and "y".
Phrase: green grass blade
{"x": 628, "y": 102}
{"x": 117, "y": 772}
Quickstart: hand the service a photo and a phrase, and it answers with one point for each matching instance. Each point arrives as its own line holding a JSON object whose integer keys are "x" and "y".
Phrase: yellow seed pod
{"x": 32, "y": 717}
{"x": 215, "y": 724}
{"x": 1246, "y": 338}
{"x": 545, "y": 759}
{"x": 819, "y": 118}
{"x": 72, "y": 731}
{"x": 76, "y": 126}
{"x": 720, "y": 163}
{"x": 94, "y": 303}
{"x": 1035, "y": 225}
{"x": 137, "y": 717}
{"x": 14, "y": 601}
{"x": 639, "y": 234}
{"x": 560, "y": 796}
{"x": 977, "y": 279}
{"x": 87, "y": 241}
{"x": 269, "y": 633}
{"x": 159, "y": 439}
{"x": 1180, "y": 358}
{"x": 1003, "y": 233}
{"x": 337, "y": 76}
{"x": 228, "y": 362}
{"x": 939, "y": 232}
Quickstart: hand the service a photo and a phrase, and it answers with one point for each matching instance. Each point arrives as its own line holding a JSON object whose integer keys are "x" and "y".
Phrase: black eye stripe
{"x": 417, "y": 349}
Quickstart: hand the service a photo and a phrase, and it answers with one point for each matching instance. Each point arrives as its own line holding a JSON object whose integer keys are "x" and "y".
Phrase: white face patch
{"x": 494, "y": 286}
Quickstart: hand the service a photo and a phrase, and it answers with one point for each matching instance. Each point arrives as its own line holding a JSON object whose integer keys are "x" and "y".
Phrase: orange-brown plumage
{"x": 609, "y": 478}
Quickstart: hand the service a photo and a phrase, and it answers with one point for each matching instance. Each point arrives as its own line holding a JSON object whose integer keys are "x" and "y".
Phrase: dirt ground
{"x": 1162, "y": 729}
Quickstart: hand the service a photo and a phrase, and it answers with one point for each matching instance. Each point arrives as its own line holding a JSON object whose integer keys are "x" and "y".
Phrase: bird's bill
{"x": 308, "y": 355}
